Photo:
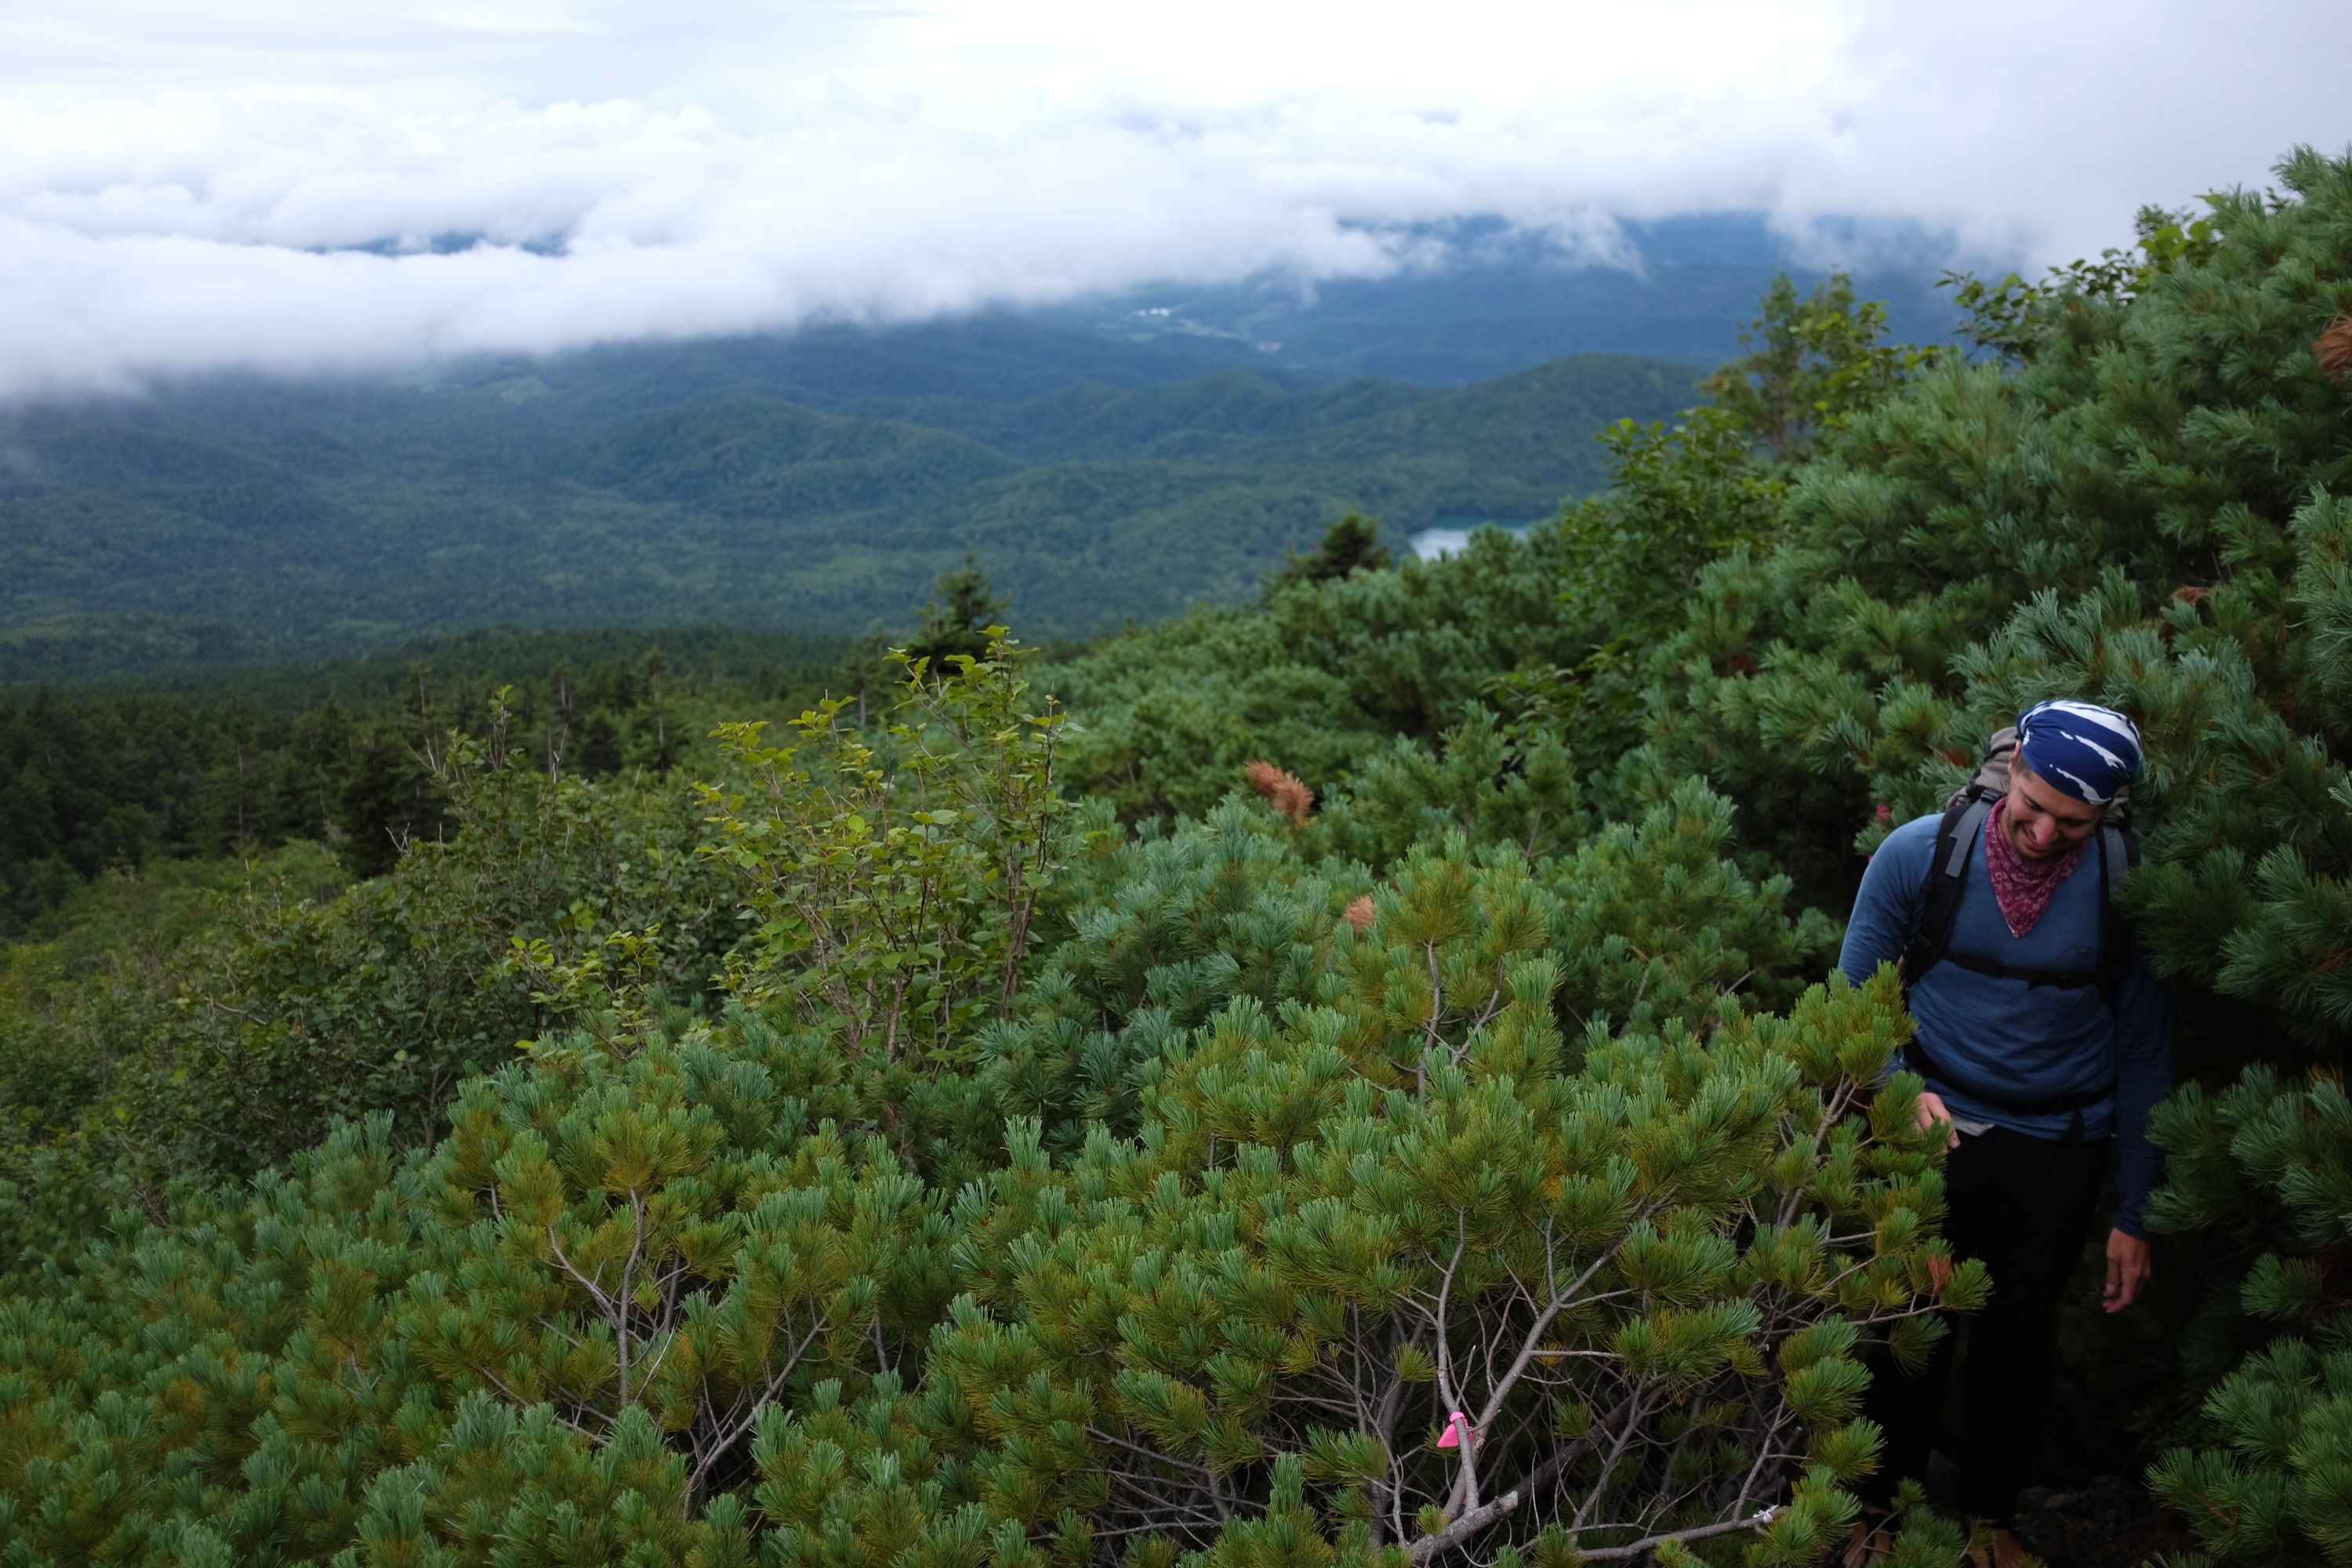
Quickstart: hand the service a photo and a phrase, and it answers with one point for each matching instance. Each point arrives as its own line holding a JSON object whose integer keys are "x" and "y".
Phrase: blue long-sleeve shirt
{"x": 2037, "y": 1042}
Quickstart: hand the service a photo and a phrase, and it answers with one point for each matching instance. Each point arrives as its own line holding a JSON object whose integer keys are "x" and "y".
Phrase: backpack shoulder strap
{"x": 1939, "y": 897}
{"x": 2118, "y": 853}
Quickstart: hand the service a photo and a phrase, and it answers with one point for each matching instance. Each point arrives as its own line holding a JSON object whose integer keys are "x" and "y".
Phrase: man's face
{"x": 2041, "y": 821}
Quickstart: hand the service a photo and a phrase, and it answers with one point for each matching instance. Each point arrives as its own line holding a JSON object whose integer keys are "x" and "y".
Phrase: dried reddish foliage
{"x": 1359, "y": 914}
{"x": 2335, "y": 348}
{"x": 1290, "y": 797}
{"x": 2190, "y": 594}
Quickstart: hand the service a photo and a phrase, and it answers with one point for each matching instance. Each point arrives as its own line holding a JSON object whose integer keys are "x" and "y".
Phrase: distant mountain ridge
{"x": 1502, "y": 299}
{"x": 1111, "y": 458}
{"x": 800, "y": 485}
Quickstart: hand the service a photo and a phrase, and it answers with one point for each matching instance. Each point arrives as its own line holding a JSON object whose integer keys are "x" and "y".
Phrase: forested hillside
{"x": 1501, "y": 299}
{"x": 805, "y": 487}
{"x": 1340, "y": 1078}
{"x": 99, "y": 783}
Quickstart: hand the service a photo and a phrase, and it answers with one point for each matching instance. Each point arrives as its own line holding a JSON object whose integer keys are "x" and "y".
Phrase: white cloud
{"x": 187, "y": 190}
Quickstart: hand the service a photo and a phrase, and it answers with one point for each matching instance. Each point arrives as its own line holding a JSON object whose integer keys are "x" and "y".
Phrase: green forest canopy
{"x": 992, "y": 1134}
{"x": 247, "y": 525}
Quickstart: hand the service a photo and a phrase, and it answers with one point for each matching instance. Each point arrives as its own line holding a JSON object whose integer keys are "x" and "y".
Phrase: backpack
{"x": 1966, "y": 814}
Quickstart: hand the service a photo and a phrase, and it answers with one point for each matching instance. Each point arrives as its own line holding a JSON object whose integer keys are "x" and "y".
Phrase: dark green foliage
{"x": 1490, "y": 782}
{"x": 288, "y": 1013}
{"x": 2141, "y": 504}
{"x": 669, "y": 1263}
{"x": 657, "y": 1247}
{"x": 1809, "y": 363}
{"x": 2268, "y": 1164}
{"x": 2142, "y": 509}
{"x": 86, "y": 786}
{"x": 1350, "y": 545}
{"x": 1379, "y": 1211}
{"x": 98, "y": 780}
{"x": 963, "y": 605}
{"x": 1082, "y": 1160}
{"x": 241, "y": 526}
{"x": 1325, "y": 678}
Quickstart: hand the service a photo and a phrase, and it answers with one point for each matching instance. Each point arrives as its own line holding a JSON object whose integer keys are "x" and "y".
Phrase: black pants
{"x": 2023, "y": 1204}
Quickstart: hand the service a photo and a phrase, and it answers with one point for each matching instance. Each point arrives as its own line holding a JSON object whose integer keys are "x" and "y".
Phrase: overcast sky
{"x": 187, "y": 187}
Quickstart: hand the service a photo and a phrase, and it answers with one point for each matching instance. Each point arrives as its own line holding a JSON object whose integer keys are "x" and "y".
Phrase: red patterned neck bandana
{"x": 2022, "y": 887}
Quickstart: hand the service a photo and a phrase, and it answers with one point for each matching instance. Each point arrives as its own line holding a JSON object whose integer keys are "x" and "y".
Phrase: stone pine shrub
{"x": 778, "y": 1283}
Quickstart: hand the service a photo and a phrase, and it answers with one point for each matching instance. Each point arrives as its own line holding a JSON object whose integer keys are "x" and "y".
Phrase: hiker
{"x": 2044, "y": 1040}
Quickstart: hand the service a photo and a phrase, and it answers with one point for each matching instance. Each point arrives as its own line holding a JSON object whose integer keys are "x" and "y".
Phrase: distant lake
{"x": 1453, "y": 533}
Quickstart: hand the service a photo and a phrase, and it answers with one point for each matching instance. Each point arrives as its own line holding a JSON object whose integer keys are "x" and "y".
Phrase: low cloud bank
{"x": 268, "y": 189}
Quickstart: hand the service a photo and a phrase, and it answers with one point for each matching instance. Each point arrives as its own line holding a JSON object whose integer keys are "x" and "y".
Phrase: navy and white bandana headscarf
{"x": 2088, "y": 751}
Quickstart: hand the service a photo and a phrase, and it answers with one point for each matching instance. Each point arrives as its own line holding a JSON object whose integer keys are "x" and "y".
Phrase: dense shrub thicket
{"x": 994, "y": 1134}
{"x": 94, "y": 782}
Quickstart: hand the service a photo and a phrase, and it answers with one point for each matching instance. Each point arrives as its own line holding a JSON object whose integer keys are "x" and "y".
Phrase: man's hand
{"x": 2128, "y": 1270}
{"x": 1931, "y": 1111}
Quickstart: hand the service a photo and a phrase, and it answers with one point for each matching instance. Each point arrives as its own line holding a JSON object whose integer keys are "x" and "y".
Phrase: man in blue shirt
{"x": 2042, "y": 1052}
